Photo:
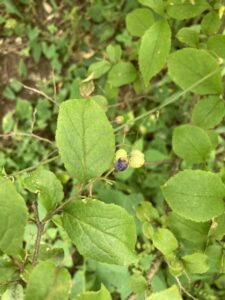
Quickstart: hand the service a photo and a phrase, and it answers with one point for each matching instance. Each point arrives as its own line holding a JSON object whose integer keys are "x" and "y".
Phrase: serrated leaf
{"x": 104, "y": 232}
{"x": 171, "y": 293}
{"x": 157, "y": 5}
{"x": 195, "y": 195}
{"x": 165, "y": 241}
{"x": 102, "y": 294}
{"x": 85, "y": 139}
{"x": 121, "y": 74}
{"x": 138, "y": 21}
{"x": 186, "y": 9}
{"x": 13, "y": 218}
{"x": 216, "y": 44}
{"x": 47, "y": 185}
{"x": 187, "y": 67}
{"x": 47, "y": 281}
{"x": 208, "y": 112}
{"x": 196, "y": 263}
{"x": 154, "y": 49}
{"x": 191, "y": 143}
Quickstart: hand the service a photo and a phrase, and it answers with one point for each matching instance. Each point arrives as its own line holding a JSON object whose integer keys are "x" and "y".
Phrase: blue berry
{"x": 121, "y": 164}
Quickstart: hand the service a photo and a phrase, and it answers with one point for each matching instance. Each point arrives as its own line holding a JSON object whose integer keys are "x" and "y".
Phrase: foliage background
{"x": 47, "y": 50}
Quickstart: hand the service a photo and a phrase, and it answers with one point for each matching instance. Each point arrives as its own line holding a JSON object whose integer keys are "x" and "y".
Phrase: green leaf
{"x": 99, "y": 68}
{"x": 154, "y": 49}
{"x": 47, "y": 185}
{"x": 188, "y": 36}
{"x": 138, "y": 283}
{"x": 216, "y": 44}
{"x": 195, "y": 195}
{"x": 191, "y": 143}
{"x": 85, "y": 139}
{"x": 104, "y": 232}
{"x": 13, "y": 218}
{"x": 13, "y": 292}
{"x": 165, "y": 241}
{"x": 208, "y": 112}
{"x": 196, "y": 263}
{"x": 184, "y": 229}
{"x": 121, "y": 74}
{"x": 189, "y": 66}
{"x": 114, "y": 53}
{"x": 210, "y": 23}
{"x": 171, "y": 293}
{"x": 186, "y": 9}
{"x": 102, "y": 294}
{"x": 47, "y": 281}
{"x": 157, "y": 5}
{"x": 138, "y": 21}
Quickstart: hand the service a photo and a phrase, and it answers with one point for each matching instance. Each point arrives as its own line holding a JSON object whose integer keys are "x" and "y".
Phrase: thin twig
{"x": 40, "y": 93}
{"x": 11, "y": 134}
{"x": 183, "y": 289}
{"x": 40, "y": 229}
{"x": 154, "y": 268}
{"x": 43, "y": 162}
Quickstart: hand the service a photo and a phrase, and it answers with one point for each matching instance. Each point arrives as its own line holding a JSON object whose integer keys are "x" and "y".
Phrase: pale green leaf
{"x": 85, "y": 139}
{"x": 47, "y": 185}
{"x": 13, "y": 218}
{"x": 104, "y": 232}
{"x": 191, "y": 143}
{"x": 98, "y": 69}
{"x": 186, "y": 9}
{"x": 195, "y": 195}
{"x": 138, "y": 21}
{"x": 196, "y": 263}
{"x": 102, "y": 294}
{"x": 210, "y": 23}
{"x": 216, "y": 44}
{"x": 165, "y": 241}
{"x": 154, "y": 49}
{"x": 114, "y": 53}
{"x": 48, "y": 282}
{"x": 188, "y": 36}
{"x": 157, "y": 5}
{"x": 121, "y": 74}
{"x": 208, "y": 112}
{"x": 171, "y": 293}
{"x": 189, "y": 66}
{"x": 13, "y": 292}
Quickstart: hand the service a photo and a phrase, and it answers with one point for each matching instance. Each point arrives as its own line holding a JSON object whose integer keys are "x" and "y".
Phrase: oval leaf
{"x": 154, "y": 49}
{"x": 47, "y": 185}
{"x": 196, "y": 263}
{"x": 104, "y": 232}
{"x": 164, "y": 240}
{"x": 169, "y": 294}
{"x": 121, "y": 74}
{"x": 216, "y": 43}
{"x": 48, "y": 282}
{"x": 138, "y": 21}
{"x": 191, "y": 143}
{"x": 208, "y": 112}
{"x": 13, "y": 218}
{"x": 180, "y": 9}
{"x": 195, "y": 195}
{"x": 196, "y": 70}
{"x": 102, "y": 294}
{"x": 85, "y": 139}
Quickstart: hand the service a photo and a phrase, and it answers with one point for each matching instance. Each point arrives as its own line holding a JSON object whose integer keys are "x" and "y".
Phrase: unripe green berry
{"x": 137, "y": 159}
{"x": 121, "y": 153}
